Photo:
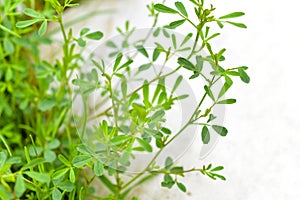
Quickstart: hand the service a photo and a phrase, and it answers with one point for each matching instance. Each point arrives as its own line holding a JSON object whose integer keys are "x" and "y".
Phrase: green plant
{"x": 46, "y": 155}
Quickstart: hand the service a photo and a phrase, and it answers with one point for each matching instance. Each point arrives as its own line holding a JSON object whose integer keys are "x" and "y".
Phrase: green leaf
{"x": 142, "y": 50}
{"x": 144, "y": 67}
{"x": 8, "y": 46}
{"x": 219, "y": 176}
{"x": 211, "y": 118}
{"x": 186, "y": 64}
{"x": 43, "y": 28}
{"x": 164, "y": 9}
{"x": 186, "y": 39}
{"x": 227, "y": 101}
{"x": 81, "y": 42}
{"x": 81, "y": 160}
{"x": 66, "y": 186}
{"x": 47, "y": 104}
{"x": 59, "y": 173}
{"x": 53, "y": 144}
{"x": 156, "y": 54}
{"x": 84, "y": 31}
{"x": 157, "y": 116}
{"x": 174, "y": 41}
{"x": 166, "y": 130}
{"x": 9, "y": 31}
{"x": 146, "y": 94}
{"x": 199, "y": 63}
{"x": 209, "y": 92}
{"x": 120, "y": 139}
{"x": 72, "y": 175}
{"x": 168, "y": 162}
{"x": 219, "y": 168}
{"x": 181, "y": 8}
{"x": 40, "y": 177}
{"x": 232, "y": 15}
{"x": 26, "y": 23}
{"x": 33, "y": 163}
{"x": 64, "y": 160}
{"x": 228, "y": 83}
{"x": 240, "y": 25}
{"x": 8, "y": 74}
{"x": 175, "y": 24}
{"x": 220, "y": 130}
{"x": 32, "y": 13}
{"x": 20, "y": 186}
{"x": 97, "y": 35}
{"x": 124, "y": 88}
{"x": 144, "y": 144}
{"x": 181, "y": 186}
{"x": 98, "y": 168}
{"x": 49, "y": 156}
{"x": 56, "y": 194}
{"x": 177, "y": 170}
{"x": 205, "y": 135}
{"x": 243, "y": 75}
{"x": 177, "y": 83}
{"x": 117, "y": 61}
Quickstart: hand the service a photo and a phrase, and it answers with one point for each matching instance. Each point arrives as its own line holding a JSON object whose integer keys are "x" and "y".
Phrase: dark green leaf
{"x": 164, "y": 9}
{"x": 205, "y": 135}
{"x": 156, "y": 53}
{"x": 232, "y": 15}
{"x": 220, "y": 130}
{"x": 243, "y": 75}
{"x": 166, "y": 130}
{"x": 142, "y": 50}
{"x": 186, "y": 64}
{"x": 227, "y": 101}
{"x": 181, "y": 8}
{"x": 181, "y": 186}
{"x": 175, "y": 24}
{"x": 95, "y": 35}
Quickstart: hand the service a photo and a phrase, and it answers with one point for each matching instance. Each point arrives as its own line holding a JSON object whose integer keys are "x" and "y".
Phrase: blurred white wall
{"x": 261, "y": 153}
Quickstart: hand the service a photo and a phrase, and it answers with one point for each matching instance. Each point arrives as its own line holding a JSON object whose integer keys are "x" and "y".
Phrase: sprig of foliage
{"x": 42, "y": 156}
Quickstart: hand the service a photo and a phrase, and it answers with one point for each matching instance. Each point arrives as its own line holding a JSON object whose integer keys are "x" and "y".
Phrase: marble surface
{"x": 261, "y": 153}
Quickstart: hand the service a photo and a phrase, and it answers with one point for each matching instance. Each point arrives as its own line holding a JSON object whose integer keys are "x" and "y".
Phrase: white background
{"x": 261, "y": 152}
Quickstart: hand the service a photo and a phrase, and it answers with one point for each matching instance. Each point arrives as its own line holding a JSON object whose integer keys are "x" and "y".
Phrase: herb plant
{"x": 49, "y": 152}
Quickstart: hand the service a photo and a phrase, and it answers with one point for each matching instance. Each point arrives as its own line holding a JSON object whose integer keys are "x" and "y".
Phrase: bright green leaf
{"x": 95, "y": 35}
{"x": 43, "y": 28}
{"x": 232, "y": 15}
{"x": 181, "y": 8}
